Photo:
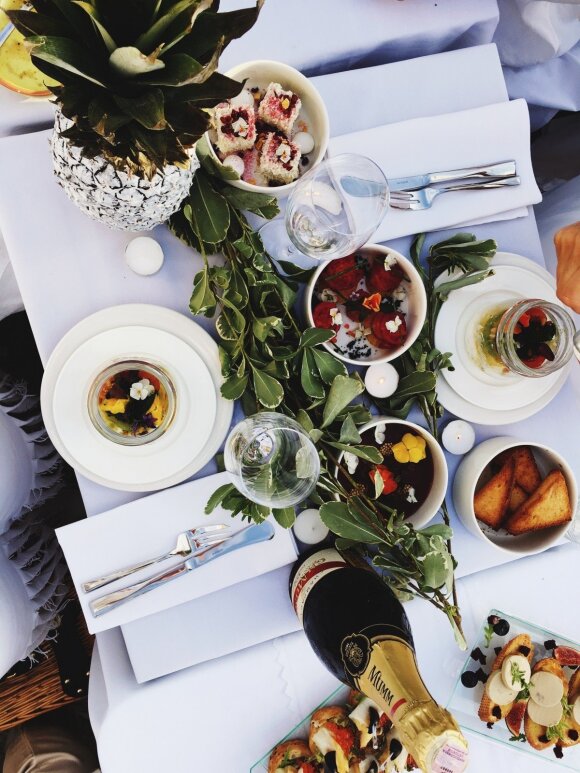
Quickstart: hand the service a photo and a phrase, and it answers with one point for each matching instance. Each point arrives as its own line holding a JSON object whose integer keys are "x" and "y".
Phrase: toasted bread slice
{"x": 491, "y": 501}
{"x": 517, "y": 498}
{"x": 571, "y": 727}
{"x": 288, "y": 750}
{"x": 549, "y": 505}
{"x": 493, "y": 712}
{"x": 535, "y": 733}
{"x": 527, "y": 474}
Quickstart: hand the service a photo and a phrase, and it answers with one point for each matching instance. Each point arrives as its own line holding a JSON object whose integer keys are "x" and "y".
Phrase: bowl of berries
{"x": 374, "y": 300}
{"x": 272, "y": 132}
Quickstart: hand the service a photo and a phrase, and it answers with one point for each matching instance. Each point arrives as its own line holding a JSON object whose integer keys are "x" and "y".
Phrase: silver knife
{"x": 355, "y": 186}
{"x": 251, "y": 535}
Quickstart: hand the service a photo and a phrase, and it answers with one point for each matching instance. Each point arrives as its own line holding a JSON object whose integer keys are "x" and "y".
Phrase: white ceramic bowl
{"x": 416, "y": 298}
{"x": 465, "y": 484}
{"x": 313, "y": 112}
{"x": 431, "y": 506}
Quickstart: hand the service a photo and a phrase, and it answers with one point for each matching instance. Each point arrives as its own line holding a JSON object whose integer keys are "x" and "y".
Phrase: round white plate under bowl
{"x": 164, "y": 336}
{"x": 458, "y": 406}
{"x": 457, "y": 328}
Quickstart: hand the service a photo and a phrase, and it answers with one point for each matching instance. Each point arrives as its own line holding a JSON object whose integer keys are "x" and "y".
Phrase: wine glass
{"x": 334, "y": 209}
{"x": 272, "y": 460}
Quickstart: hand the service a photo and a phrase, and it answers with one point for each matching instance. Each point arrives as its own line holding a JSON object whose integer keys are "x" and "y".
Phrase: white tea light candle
{"x": 309, "y": 528}
{"x": 144, "y": 255}
{"x": 458, "y": 437}
{"x": 381, "y": 380}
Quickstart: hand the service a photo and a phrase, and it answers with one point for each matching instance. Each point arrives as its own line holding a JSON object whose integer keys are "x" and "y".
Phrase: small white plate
{"x": 197, "y": 341}
{"x": 135, "y": 465}
{"x": 456, "y": 404}
{"x": 457, "y": 327}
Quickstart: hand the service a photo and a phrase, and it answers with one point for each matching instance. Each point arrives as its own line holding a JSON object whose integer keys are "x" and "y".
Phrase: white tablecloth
{"x": 66, "y": 273}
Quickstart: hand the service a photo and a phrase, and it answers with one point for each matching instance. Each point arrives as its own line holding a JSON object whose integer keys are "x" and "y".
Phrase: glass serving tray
{"x": 338, "y": 697}
{"x": 464, "y": 702}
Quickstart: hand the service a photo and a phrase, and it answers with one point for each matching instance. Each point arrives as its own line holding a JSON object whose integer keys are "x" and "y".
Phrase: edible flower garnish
{"x": 411, "y": 448}
{"x": 373, "y": 302}
{"x": 141, "y": 390}
{"x": 379, "y": 474}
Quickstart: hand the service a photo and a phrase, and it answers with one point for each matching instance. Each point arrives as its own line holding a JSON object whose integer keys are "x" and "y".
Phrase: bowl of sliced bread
{"x": 521, "y": 497}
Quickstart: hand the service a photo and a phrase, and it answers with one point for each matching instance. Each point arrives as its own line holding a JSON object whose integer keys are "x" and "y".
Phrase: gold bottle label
{"x": 382, "y": 665}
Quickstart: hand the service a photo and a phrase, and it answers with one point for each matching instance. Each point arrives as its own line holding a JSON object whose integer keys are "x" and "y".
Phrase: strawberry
{"x": 389, "y": 339}
{"x": 382, "y": 280}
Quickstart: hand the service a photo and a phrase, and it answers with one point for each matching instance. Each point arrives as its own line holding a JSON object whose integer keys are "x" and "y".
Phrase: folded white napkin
{"x": 149, "y": 527}
{"x": 230, "y": 620}
{"x": 483, "y": 135}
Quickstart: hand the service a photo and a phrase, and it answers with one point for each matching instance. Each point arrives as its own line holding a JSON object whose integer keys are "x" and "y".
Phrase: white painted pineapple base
{"x": 120, "y": 200}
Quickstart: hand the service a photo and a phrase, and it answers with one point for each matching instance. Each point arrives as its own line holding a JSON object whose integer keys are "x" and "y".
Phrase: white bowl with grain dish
{"x": 313, "y": 115}
{"x": 471, "y": 476}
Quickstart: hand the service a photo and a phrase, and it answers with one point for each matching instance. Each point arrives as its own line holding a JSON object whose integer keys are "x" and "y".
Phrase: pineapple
{"x": 136, "y": 80}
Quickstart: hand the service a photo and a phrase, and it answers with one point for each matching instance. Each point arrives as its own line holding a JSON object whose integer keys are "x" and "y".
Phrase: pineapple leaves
{"x": 66, "y": 55}
{"x": 129, "y": 61}
{"x": 147, "y": 109}
{"x": 171, "y": 27}
{"x": 136, "y": 60}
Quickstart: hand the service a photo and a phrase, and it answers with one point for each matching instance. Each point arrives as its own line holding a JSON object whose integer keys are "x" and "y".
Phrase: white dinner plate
{"x": 456, "y": 330}
{"x": 462, "y": 408}
{"x": 194, "y": 410}
{"x": 202, "y": 419}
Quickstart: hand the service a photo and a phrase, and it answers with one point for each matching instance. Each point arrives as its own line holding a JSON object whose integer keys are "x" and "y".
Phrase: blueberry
{"x": 469, "y": 679}
{"x": 493, "y": 619}
{"x": 550, "y": 644}
{"x": 501, "y": 628}
{"x": 481, "y": 675}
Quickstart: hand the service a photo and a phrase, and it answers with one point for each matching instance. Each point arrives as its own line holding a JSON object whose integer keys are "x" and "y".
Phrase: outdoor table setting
{"x": 303, "y": 326}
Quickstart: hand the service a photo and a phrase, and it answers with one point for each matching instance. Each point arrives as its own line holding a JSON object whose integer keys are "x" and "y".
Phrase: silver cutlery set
{"x": 419, "y": 192}
{"x": 200, "y": 545}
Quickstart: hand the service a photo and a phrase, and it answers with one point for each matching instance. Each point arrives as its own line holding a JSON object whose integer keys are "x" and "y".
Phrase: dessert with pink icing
{"x": 235, "y": 128}
{"x": 262, "y": 136}
{"x": 279, "y": 158}
{"x": 279, "y": 108}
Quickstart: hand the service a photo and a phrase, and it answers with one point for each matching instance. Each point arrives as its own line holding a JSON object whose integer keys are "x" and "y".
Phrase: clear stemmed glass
{"x": 272, "y": 460}
{"x": 334, "y": 209}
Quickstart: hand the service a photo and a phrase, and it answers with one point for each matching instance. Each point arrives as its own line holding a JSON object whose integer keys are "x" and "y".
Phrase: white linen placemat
{"x": 149, "y": 527}
{"x": 230, "y": 620}
{"x": 483, "y": 135}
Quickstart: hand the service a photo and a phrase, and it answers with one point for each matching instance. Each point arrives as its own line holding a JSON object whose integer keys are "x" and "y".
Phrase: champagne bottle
{"x": 359, "y": 630}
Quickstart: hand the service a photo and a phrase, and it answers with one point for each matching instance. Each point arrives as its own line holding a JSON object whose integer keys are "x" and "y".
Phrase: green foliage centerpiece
{"x": 270, "y": 361}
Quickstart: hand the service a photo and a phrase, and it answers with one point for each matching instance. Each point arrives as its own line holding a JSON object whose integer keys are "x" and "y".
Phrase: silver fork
{"x": 188, "y": 542}
{"x": 422, "y": 199}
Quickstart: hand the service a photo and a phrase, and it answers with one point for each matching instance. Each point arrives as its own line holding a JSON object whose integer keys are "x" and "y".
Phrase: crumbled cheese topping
{"x": 240, "y": 127}
{"x": 380, "y": 433}
{"x": 400, "y": 293}
{"x": 336, "y": 316}
{"x": 284, "y": 152}
{"x": 394, "y": 324}
{"x": 328, "y": 295}
{"x": 390, "y": 260}
{"x": 351, "y": 462}
{"x": 411, "y": 495}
